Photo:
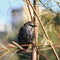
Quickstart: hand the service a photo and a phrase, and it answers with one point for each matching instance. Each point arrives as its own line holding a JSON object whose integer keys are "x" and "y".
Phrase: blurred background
{"x": 14, "y": 13}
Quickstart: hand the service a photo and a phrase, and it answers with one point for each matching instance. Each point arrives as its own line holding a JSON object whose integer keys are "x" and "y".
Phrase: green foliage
{"x": 25, "y": 55}
{"x": 52, "y": 26}
{"x": 47, "y": 18}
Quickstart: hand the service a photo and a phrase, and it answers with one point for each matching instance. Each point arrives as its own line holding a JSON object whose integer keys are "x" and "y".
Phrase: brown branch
{"x": 14, "y": 46}
{"x": 44, "y": 56}
{"x": 48, "y": 48}
{"x": 29, "y": 11}
{"x": 47, "y": 7}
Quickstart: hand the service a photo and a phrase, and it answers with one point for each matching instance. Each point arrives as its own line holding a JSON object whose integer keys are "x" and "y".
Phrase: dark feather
{"x": 26, "y": 34}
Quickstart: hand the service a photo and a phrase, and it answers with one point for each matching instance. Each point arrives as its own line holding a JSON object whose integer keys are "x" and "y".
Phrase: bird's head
{"x": 29, "y": 23}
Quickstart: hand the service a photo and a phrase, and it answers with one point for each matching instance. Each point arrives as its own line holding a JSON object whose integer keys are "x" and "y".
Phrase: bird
{"x": 26, "y": 34}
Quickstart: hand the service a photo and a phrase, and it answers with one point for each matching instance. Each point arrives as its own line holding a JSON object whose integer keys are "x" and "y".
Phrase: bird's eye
{"x": 30, "y": 25}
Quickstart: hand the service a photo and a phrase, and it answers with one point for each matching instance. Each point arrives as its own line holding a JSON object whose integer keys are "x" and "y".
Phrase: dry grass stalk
{"x": 4, "y": 54}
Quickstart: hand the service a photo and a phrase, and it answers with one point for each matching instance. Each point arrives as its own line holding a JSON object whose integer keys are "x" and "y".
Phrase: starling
{"x": 26, "y": 34}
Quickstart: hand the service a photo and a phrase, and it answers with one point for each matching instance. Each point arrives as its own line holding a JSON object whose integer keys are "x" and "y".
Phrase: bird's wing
{"x": 22, "y": 33}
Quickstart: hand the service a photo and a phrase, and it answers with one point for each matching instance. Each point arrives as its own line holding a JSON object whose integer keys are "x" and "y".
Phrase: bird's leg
{"x": 32, "y": 44}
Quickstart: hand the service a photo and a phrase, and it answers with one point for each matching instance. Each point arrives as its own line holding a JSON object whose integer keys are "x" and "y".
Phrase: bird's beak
{"x": 35, "y": 25}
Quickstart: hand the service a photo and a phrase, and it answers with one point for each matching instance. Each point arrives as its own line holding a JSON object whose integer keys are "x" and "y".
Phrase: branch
{"x": 47, "y": 7}
{"x": 29, "y": 12}
{"x": 44, "y": 55}
{"x": 48, "y": 48}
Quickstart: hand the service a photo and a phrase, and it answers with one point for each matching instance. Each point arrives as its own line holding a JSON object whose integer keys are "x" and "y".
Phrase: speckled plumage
{"x": 26, "y": 34}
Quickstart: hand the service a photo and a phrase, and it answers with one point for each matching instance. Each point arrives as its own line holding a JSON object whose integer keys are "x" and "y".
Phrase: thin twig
{"x": 3, "y": 46}
{"x": 48, "y": 48}
{"x": 44, "y": 56}
{"x": 29, "y": 12}
{"x": 17, "y": 45}
{"x": 4, "y": 54}
{"x": 26, "y": 14}
{"x": 14, "y": 53}
{"x": 47, "y": 7}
